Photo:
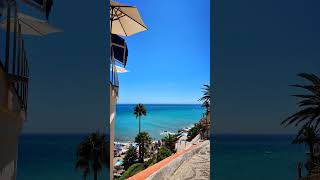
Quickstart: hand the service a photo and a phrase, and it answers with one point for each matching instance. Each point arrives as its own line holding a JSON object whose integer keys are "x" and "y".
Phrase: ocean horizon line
{"x": 158, "y": 104}
{"x": 253, "y": 134}
{"x": 212, "y": 135}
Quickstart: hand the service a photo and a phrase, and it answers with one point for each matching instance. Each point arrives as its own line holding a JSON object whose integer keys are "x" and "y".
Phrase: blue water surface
{"x": 160, "y": 117}
{"x": 255, "y": 157}
{"x": 50, "y": 157}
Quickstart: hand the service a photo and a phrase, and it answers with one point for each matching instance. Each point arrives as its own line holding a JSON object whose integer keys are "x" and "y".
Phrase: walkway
{"x": 197, "y": 167}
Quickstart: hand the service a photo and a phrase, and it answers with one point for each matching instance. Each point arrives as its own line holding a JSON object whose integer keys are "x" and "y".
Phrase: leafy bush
{"x": 151, "y": 161}
{"x": 163, "y": 153}
{"x": 194, "y": 131}
{"x": 170, "y": 142}
{"x": 130, "y": 157}
{"x": 132, "y": 170}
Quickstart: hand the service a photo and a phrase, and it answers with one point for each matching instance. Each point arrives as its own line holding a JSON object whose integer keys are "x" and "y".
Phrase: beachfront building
{"x": 114, "y": 88}
{"x": 125, "y": 21}
{"x": 14, "y": 76}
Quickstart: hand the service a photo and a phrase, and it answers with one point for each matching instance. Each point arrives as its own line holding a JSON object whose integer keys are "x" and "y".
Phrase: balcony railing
{"x": 15, "y": 61}
{"x": 114, "y": 81}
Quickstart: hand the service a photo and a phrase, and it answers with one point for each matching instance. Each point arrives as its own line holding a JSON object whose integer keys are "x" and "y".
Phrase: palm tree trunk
{"x": 140, "y": 151}
{"x": 95, "y": 174}
{"x": 139, "y": 124}
{"x": 311, "y": 155}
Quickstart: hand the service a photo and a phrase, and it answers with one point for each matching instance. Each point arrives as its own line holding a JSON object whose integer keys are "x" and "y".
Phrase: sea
{"x": 255, "y": 157}
{"x": 233, "y": 157}
{"x": 50, "y": 157}
{"x": 159, "y": 118}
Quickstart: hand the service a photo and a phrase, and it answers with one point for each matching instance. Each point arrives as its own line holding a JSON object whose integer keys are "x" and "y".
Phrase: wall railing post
{"x": 6, "y": 65}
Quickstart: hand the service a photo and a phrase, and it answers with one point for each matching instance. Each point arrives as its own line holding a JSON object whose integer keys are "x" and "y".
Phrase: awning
{"x": 119, "y": 48}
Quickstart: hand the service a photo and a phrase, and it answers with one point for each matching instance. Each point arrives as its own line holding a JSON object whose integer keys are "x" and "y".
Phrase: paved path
{"x": 197, "y": 167}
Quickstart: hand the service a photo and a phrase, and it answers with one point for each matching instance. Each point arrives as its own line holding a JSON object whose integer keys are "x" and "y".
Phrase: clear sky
{"x": 168, "y": 63}
{"x": 258, "y": 48}
{"x": 67, "y": 90}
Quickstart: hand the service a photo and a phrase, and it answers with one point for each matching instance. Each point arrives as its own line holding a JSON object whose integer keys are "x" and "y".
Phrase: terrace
{"x": 14, "y": 61}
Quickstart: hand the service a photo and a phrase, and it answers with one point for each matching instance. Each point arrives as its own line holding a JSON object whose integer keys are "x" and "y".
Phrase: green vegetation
{"x": 308, "y": 135}
{"x": 170, "y": 142}
{"x": 151, "y": 161}
{"x": 130, "y": 157}
{"x": 307, "y": 118}
{"x": 206, "y": 103}
{"x": 139, "y": 111}
{"x": 92, "y": 155}
{"x": 144, "y": 140}
{"x": 132, "y": 170}
{"x": 194, "y": 131}
{"x": 205, "y": 99}
{"x": 163, "y": 153}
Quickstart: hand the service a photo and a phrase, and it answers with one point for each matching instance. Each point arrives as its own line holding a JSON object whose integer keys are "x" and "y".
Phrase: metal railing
{"x": 114, "y": 81}
{"x": 15, "y": 63}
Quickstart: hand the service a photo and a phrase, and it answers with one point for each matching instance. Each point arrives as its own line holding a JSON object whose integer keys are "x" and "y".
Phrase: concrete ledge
{"x": 168, "y": 170}
{"x": 165, "y": 168}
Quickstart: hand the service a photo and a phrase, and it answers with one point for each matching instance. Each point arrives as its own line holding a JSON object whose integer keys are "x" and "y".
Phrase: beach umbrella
{"x": 30, "y": 25}
{"x": 125, "y": 20}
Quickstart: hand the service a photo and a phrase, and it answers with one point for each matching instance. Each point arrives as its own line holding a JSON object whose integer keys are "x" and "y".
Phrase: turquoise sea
{"x": 159, "y": 118}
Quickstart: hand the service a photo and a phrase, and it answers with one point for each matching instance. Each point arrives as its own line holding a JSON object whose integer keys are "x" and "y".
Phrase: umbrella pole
{"x": 6, "y": 65}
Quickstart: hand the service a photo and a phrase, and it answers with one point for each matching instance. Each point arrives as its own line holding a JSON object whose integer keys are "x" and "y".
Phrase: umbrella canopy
{"x": 125, "y": 20}
{"x": 31, "y": 26}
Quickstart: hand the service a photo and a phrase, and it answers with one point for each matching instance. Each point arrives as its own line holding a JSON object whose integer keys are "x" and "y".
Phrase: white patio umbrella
{"x": 30, "y": 25}
{"x": 125, "y": 20}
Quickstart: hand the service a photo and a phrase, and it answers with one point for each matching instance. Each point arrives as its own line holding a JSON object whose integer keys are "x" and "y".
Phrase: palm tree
{"x": 310, "y": 103}
{"x": 92, "y": 154}
{"x": 139, "y": 111}
{"x": 308, "y": 135}
{"x": 206, "y": 105}
{"x": 205, "y": 99}
{"x": 170, "y": 142}
{"x": 144, "y": 140}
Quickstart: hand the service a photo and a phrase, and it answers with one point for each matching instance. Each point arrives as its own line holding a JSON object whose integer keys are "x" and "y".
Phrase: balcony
{"x": 14, "y": 63}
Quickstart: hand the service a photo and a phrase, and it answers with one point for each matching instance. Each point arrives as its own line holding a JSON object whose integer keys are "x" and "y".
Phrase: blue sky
{"x": 170, "y": 62}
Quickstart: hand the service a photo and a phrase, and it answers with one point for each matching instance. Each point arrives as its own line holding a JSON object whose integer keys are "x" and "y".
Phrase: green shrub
{"x": 194, "y": 131}
{"x": 132, "y": 170}
{"x": 170, "y": 142}
{"x": 163, "y": 153}
{"x": 130, "y": 157}
{"x": 151, "y": 161}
